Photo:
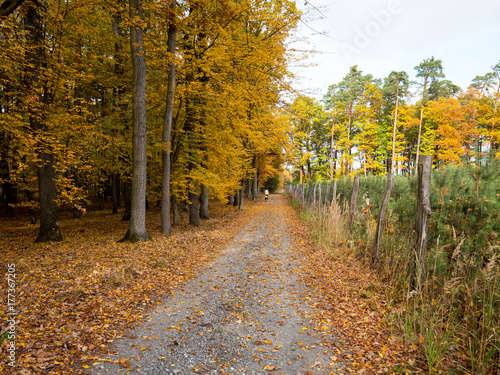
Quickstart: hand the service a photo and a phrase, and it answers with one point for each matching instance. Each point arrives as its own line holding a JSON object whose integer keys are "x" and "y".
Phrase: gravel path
{"x": 245, "y": 313}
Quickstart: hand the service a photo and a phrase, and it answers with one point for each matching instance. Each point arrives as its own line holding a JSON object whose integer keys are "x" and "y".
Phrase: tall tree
{"x": 396, "y": 84}
{"x": 137, "y": 225}
{"x": 484, "y": 84}
{"x": 366, "y": 140}
{"x": 38, "y": 98}
{"x": 427, "y": 69}
{"x": 167, "y": 125}
{"x": 309, "y": 135}
{"x": 496, "y": 70}
{"x": 443, "y": 88}
{"x": 347, "y": 93}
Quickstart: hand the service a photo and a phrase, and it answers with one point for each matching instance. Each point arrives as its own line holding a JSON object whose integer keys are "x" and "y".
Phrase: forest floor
{"x": 246, "y": 292}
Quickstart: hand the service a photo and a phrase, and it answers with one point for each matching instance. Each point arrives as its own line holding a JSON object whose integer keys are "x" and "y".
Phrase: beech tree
{"x": 37, "y": 100}
{"x": 230, "y": 67}
{"x": 167, "y": 125}
{"x": 137, "y": 225}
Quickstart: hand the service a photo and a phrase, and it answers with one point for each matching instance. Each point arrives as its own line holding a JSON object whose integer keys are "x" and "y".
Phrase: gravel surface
{"x": 245, "y": 313}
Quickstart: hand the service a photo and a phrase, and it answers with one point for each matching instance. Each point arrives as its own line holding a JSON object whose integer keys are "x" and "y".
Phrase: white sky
{"x": 385, "y": 35}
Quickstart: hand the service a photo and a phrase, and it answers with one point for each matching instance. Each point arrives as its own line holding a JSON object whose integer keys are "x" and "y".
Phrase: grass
{"x": 455, "y": 317}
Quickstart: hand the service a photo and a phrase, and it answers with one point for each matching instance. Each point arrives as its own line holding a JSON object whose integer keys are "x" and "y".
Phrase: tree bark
{"x": 101, "y": 197}
{"x": 127, "y": 194}
{"x": 49, "y": 217}
{"x": 420, "y": 123}
{"x": 354, "y": 198}
{"x": 381, "y": 216}
{"x": 493, "y": 120}
{"x": 137, "y": 225}
{"x": 319, "y": 196}
{"x": 314, "y": 197}
{"x": 9, "y": 6}
{"x": 115, "y": 191}
{"x": 332, "y": 146}
{"x": 167, "y": 126}
{"x": 394, "y": 128}
{"x": 255, "y": 192}
{"x": 249, "y": 188}
{"x": 204, "y": 213}
{"x": 422, "y": 219}
{"x": 240, "y": 196}
{"x": 175, "y": 209}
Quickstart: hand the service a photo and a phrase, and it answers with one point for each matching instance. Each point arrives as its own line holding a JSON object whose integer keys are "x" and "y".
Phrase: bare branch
{"x": 8, "y": 6}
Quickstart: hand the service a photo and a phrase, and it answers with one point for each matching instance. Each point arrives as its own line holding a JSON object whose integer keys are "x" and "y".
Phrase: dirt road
{"x": 245, "y": 313}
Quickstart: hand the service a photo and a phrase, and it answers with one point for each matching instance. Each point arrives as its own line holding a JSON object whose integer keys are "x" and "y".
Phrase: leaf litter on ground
{"x": 77, "y": 296}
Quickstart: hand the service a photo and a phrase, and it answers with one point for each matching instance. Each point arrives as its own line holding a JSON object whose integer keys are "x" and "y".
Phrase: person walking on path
{"x": 266, "y": 193}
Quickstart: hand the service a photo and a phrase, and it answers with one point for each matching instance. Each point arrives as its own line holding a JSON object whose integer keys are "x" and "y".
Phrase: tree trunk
{"x": 101, "y": 197}
{"x": 137, "y": 225}
{"x": 175, "y": 209}
{"x": 194, "y": 212}
{"x": 354, "y": 198}
{"x": 319, "y": 196}
{"x": 255, "y": 193}
{"x": 381, "y": 216}
{"x": 348, "y": 150}
{"x": 394, "y": 128}
{"x": 314, "y": 197}
{"x": 49, "y": 222}
{"x": 493, "y": 119}
{"x": 127, "y": 194}
{"x": 167, "y": 126}
{"x": 231, "y": 199}
{"x": 420, "y": 123}
{"x": 204, "y": 214}
{"x": 236, "y": 201}
{"x": 240, "y": 196}
{"x": 332, "y": 146}
{"x": 115, "y": 191}
{"x": 49, "y": 217}
{"x": 422, "y": 219}
{"x": 249, "y": 188}
{"x": 9, "y": 195}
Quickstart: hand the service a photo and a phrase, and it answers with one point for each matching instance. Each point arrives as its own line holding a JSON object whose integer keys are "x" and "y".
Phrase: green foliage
{"x": 458, "y": 307}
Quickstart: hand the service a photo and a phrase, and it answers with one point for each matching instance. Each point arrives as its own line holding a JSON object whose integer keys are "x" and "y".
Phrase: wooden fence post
{"x": 314, "y": 198}
{"x": 354, "y": 198}
{"x": 380, "y": 223}
{"x": 326, "y": 192}
{"x": 319, "y": 198}
{"x": 422, "y": 219}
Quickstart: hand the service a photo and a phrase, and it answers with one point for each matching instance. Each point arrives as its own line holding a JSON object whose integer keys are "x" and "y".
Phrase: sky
{"x": 385, "y": 35}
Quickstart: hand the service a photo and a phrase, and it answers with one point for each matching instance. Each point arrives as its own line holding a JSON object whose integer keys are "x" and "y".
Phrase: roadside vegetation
{"x": 455, "y": 317}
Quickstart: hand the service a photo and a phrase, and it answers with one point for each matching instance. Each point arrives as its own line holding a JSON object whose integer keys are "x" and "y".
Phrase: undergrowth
{"x": 455, "y": 317}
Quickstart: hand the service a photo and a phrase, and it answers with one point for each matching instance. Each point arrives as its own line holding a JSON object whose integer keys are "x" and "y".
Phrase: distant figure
{"x": 266, "y": 193}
